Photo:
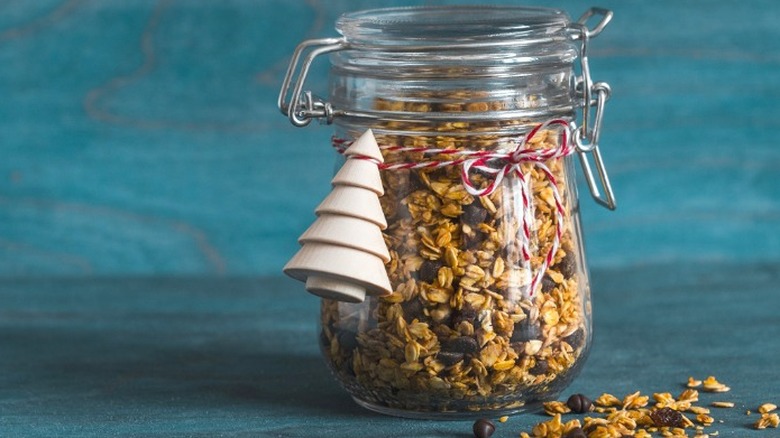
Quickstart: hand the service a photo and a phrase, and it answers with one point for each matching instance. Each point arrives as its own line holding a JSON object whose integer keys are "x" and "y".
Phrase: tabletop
{"x": 150, "y": 192}
{"x": 239, "y": 356}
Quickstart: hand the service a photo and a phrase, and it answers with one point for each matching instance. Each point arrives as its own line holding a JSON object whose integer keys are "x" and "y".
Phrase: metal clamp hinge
{"x": 589, "y": 143}
{"x": 587, "y": 134}
{"x": 303, "y": 106}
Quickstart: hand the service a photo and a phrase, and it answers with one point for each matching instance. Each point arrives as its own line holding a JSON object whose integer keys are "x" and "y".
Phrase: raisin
{"x": 402, "y": 212}
{"x": 415, "y": 183}
{"x": 548, "y": 284}
{"x": 525, "y": 331}
{"x": 467, "y": 313}
{"x": 483, "y": 173}
{"x": 412, "y": 184}
{"x": 462, "y": 344}
{"x": 541, "y": 367}
{"x": 473, "y": 241}
{"x": 429, "y": 270}
{"x": 473, "y": 214}
{"x": 577, "y": 432}
{"x": 575, "y": 339}
{"x": 412, "y": 309}
{"x": 449, "y": 358}
{"x": 348, "y": 340}
{"x": 667, "y": 417}
{"x": 568, "y": 266}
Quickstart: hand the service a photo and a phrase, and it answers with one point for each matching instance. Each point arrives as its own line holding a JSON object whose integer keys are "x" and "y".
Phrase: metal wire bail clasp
{"x": 303, "y": 105}
{"x": 587, "y": 134}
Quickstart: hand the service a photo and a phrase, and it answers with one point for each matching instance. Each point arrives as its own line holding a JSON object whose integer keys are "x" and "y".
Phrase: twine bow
{"x": 512, "y": 162}
{"x": 495, "y": 166}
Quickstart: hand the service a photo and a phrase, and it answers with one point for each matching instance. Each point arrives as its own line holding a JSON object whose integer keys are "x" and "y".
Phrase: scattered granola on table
{"x": 767, "y": 420}
{"x": 579, "y": 403}
{"x": 635, "y": 416}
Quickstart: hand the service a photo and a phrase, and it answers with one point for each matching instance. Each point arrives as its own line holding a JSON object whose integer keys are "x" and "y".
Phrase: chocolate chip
{"x": 667, "y": 417}
{"x": 579, "y": 404}
{"x": 541, "y": 367}
{"x": 577, "y": 432}
{"x": 429, "y": 270}
{"x": 449, "y": 358}
{"x": 473, "y": 214}
{"x": 575, "y": 339}
{"x": 462, "y": 344}
{"x": 483, "y": 428}
{"x": 347, "y": 340}
{"x": 525, "y": 331}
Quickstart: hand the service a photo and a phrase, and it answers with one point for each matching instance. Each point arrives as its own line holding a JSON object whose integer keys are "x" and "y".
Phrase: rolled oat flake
{"x": 478, "y": 112}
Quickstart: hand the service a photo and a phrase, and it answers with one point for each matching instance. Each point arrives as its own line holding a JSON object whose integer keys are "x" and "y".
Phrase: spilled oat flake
{"x": 636, "y": 416}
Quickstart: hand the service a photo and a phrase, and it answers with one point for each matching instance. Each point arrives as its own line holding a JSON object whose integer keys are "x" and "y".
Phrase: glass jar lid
{"x": 442, "y": 26}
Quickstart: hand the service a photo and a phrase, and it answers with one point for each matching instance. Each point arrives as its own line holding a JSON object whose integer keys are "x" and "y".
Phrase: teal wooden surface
{"x": 216, "y": 357}
{"x": 142, "y": 137}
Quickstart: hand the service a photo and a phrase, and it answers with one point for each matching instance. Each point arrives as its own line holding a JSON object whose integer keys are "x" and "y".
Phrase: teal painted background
{"x": 142, "y": 137}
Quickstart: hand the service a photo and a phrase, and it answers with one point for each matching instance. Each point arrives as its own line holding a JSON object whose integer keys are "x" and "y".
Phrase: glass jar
{"x": 475, "y": 110}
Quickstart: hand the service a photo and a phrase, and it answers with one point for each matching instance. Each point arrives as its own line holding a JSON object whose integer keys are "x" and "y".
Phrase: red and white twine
{"x": 499, "y": 164}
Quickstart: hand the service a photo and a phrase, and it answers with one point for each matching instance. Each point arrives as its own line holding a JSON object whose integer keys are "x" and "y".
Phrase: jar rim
{"x": 451, "y": 25}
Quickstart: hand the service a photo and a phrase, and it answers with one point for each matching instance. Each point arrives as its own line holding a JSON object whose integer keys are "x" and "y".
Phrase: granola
{"x": 462, "y": 331}
{"x": 767, "y": 420}
{"x": 668, "y": 417}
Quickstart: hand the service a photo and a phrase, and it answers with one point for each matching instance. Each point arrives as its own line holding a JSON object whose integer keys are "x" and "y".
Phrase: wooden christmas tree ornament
{"x": 365, "y": 146}
{"x": 347, "y": 231}
{"x": 353, "y": 201}
{"x": 343, "y": 253}
{"x": 357, "y": 173}
{"x": 348, "y": 270}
